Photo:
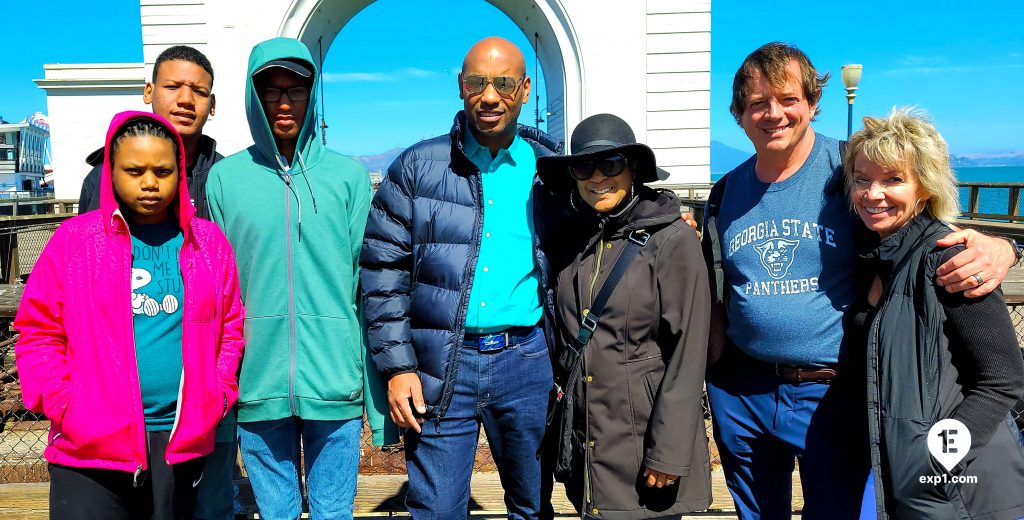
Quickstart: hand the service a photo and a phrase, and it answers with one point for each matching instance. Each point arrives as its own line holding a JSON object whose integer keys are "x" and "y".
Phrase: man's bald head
{"x": 493, "y": 87}
{"x": 494, "y": 49}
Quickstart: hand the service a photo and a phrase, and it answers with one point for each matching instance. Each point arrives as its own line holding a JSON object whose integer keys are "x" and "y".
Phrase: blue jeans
{"x": 507, "y": 392}
{"x": 762, "y": 423}
{"x": 270, "y": 450}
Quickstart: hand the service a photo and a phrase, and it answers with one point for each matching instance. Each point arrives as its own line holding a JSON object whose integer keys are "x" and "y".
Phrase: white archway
{"x": 653, "y": 70}
{"x": 317, "y": 22}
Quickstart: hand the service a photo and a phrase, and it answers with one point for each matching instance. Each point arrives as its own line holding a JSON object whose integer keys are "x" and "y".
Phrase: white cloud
{"x": 934, "y": 65}
{"x": 347, "y": 77}
{"x": 395, "y": 75}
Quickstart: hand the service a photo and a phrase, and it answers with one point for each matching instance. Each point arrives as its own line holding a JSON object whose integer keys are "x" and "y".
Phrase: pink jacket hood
{"x": 108, "y": 202}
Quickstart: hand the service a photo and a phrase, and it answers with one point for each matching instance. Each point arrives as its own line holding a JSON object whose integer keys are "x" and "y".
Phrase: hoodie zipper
{"x": 291, "y": 290}
{"x": 133, "y": 371}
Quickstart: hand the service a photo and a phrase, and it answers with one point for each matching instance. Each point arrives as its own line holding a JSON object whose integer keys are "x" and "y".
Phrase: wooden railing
{"x": 973, "y": 196}
{"x": 37, "y": 206}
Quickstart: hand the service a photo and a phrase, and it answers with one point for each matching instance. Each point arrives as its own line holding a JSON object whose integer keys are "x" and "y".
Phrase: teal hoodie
{"x": 296, "y": 233}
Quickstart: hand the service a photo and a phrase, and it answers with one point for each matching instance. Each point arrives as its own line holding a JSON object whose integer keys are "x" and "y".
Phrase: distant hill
{"x": 724, "y": 157}
{"x": 379, "y": 162}
{"x": 980, "y": 160}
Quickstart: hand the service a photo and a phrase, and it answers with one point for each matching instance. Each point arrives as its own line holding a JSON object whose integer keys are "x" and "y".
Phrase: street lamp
{"x": 851, "y": 76}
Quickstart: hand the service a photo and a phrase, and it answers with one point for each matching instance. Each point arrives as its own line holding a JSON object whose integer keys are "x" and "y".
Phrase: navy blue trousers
{"x": 762, "y": 424}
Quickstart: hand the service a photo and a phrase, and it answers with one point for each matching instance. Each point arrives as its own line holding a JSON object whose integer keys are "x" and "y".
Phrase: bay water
{"x": 990, "y": 200}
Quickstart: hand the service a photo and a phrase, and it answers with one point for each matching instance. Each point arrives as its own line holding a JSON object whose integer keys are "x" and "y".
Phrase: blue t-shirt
{"x": 506, "y": 284}
{"x": 157, "y": 296}
{"x": 788, "y": 256}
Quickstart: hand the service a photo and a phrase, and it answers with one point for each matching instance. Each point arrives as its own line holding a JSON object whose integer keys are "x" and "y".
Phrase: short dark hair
{"x": 183, "y": 53}
{"x": 770, "y": 60}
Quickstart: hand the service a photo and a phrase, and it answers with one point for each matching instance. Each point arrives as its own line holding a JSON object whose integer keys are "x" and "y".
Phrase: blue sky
{"x": 962, "y": 62}
{"x": 964, "y": 65}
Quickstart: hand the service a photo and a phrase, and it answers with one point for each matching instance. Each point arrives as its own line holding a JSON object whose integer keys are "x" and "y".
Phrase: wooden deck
{"x": 380, "y": 496}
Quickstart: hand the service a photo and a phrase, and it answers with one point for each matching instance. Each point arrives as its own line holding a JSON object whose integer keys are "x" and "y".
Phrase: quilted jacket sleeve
{"x": 386, "y": 270}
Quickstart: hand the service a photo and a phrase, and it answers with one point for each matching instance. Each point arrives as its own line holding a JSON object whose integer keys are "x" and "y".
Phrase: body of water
{"x": 990, "y": 200}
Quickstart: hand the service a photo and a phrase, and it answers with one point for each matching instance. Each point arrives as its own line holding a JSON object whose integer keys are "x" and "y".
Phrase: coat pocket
{"x": 642, "y": 393}
{"x": 651, "y": 386}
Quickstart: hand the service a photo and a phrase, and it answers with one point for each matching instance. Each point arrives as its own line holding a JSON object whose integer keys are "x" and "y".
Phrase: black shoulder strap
{"x": 711, "y": 229}
{"x": 837, "y": 181}
{"x": 637, "y": 240}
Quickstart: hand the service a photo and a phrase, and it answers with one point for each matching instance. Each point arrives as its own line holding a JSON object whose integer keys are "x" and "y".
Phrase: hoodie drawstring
{"x": 305, "y": 175}
{"x": 288, "y": 182}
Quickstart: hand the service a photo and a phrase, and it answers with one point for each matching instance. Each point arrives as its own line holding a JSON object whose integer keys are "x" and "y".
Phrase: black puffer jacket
{"x": 638, "y": 400}
{"x": 419, "y": 253}
{"x": 915, "y": 378}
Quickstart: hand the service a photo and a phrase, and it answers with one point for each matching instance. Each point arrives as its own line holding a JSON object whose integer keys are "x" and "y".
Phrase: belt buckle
{"x": 788, "y": 374}
{"x": 492, "y": 342}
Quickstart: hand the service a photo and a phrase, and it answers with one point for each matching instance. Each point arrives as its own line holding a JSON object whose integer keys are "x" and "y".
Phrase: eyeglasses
{"x": 294, "y": 94}
{"x": 608, "y": 166}
{"x": 505, "y": 85}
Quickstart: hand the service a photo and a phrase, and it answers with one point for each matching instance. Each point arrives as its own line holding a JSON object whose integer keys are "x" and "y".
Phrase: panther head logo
{"x": 777, "y": 255}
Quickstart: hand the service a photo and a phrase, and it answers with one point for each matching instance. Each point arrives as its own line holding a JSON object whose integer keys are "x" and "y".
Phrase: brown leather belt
{"x": 792, "y": 374}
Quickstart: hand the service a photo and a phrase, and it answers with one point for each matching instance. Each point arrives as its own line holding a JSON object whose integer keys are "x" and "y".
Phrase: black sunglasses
{"x": 610, "y": 166}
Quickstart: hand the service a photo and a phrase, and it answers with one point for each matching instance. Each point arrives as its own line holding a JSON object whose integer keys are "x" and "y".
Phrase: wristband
{"x": 1018, "y": 250}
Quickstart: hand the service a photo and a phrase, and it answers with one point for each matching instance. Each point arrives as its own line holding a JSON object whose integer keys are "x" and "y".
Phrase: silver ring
{"x": 979, "y": 279}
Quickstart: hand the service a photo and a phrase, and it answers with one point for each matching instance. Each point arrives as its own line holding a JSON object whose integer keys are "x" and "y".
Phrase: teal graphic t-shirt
{"x": 157, "y": 295}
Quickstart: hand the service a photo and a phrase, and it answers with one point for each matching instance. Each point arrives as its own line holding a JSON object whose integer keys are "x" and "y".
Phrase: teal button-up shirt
{"x": 506, "y": 286}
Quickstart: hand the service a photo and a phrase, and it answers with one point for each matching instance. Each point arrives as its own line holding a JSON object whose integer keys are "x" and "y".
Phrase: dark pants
{"x": 507, "y": 392}
{"x": 216, "y": 492}
{"x": 763, "y": 423}
{"x": 164, "y": 491}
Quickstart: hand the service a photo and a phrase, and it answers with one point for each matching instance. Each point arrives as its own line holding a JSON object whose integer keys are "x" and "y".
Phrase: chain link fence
{"x": 23, "y": 434}
{"x": 30, "y": 243}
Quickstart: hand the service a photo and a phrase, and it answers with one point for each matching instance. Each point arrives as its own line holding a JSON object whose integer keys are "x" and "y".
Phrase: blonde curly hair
{"x": 907, "y": 140}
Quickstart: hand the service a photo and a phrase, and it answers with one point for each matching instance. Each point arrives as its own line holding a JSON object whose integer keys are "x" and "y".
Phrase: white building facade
{"x": 22, "y": 155}
{"x": 647, "y": 61}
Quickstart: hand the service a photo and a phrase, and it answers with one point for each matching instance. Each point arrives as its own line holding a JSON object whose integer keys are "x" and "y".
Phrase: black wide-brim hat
{"x": 599, "y": 136}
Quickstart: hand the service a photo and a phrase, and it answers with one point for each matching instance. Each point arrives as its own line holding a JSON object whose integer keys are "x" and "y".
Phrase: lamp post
{"x": 851, "y": 77}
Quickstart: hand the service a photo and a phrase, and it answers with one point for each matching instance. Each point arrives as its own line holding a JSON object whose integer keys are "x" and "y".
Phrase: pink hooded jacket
{"x": 76, "y": 352}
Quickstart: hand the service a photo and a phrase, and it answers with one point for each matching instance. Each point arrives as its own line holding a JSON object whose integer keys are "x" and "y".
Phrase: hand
{"x": 658, "y": 479}
{"x": 990, "y": 257}
{"x": 402, "y": 389}
{"x": 688, "y": 218}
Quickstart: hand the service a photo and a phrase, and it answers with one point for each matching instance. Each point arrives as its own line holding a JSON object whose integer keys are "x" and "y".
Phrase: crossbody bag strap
{"x": 637, "y": 240}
